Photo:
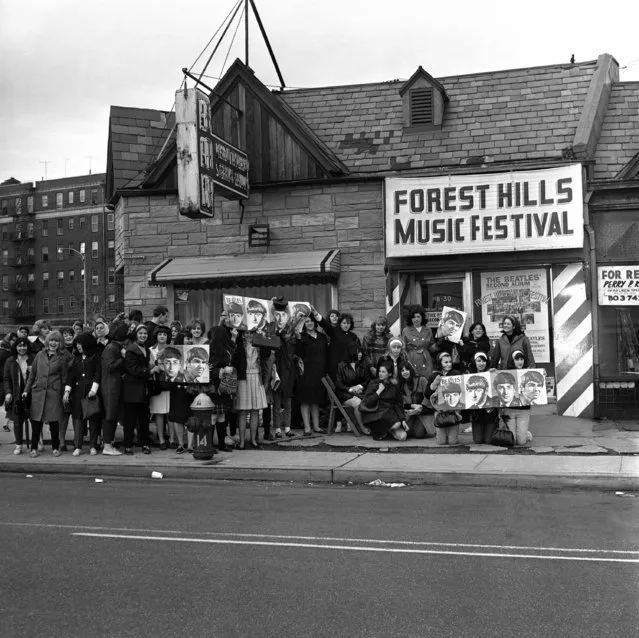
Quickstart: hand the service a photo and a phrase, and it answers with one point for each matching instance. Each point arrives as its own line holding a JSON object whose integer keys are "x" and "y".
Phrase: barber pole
{"x": 396, "y": 293}
{"x": 573, "y": 342}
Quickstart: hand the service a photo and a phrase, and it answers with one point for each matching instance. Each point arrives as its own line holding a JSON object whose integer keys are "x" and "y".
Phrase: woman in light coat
{"x": 45, "y": 386}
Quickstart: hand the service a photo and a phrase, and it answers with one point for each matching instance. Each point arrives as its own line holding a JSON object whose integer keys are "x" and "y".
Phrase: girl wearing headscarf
{"x": 512, "y": 338}
{"x": 395, "y": 355}
{"x": 45, "y": 386}
{"x": 419, "y": 342}
{"x": 15, "y": 374}
{"x": 83, "y": 382}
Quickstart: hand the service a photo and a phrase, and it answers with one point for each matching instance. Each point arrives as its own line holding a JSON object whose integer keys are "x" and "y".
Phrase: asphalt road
{"x": 158, "y": 558}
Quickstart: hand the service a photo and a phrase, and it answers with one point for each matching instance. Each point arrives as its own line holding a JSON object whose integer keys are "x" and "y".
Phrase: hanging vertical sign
{"x": 204, "y": 160}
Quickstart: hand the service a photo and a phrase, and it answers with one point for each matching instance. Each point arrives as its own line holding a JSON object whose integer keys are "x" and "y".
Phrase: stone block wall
{"x": 347, "y": 216}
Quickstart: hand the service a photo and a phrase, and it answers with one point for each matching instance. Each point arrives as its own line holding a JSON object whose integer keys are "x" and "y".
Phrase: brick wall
{"x": 344, "y": 216}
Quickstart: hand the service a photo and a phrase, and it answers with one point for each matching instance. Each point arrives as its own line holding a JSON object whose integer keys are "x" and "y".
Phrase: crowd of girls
{"x": 127, "y": 371}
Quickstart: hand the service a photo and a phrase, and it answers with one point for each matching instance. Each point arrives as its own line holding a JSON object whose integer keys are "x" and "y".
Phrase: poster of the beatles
{"x": 251, "y": 313}
{"x": 497, "y": 388}
{"x": 185, "y": 364}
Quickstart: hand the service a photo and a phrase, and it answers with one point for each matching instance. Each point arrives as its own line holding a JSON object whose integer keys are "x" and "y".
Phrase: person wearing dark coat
{"x": 45, "y": 386}
{"x": 41, "y": 328}
{"x": 341, "y": 338}
{"x": 5, "y": 352}
{"x": 286, "y": 366}
{"x": 222, "y": 341}
{"x": 353, "y": 377}
{"x": 384, "y": 396}
{"x": 135, "y": 393}
{"x": 83, "y": 382}
{"x": 476, "y": 341}
{"x": 112, "y": 368}
{"x": 312, "y": 349}
{"x": 15, "y": 374}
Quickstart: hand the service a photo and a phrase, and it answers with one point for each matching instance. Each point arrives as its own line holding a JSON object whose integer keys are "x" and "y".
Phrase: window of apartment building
{"x": 60, "y": 304}
{"x": 60, "y": 225}
{"x": 72, "y": 302}
{"x": 59, "y": 251}
{"x": 59, "y": 200}
{"x": 71, "y": 276}
{"x": 94, "y": 196}
{"x": 94, "y": 276}
{"x": 5, "y": 207}
{"x": 30, "y": 204}
{"x": 18, "y": 231}
{"x": 18, "y": 205}
{"x": 45, "y": 254}
{"x": 82, "y": 274}
{"x": 96, "y": 298}
{"x": 83, "y": 247}
{"x": 5, "y": 257}
{"x": 95, "y": 221}
{"x": 5, "y": 232}
{"x": 70, "y": 198}
{"x": 45, "y": 305}
{"x": 45, "y": 201}
{"x": 71, "y": 223}
{"x": 31, "y": 305}
{"x": 94, "y": 250}
{"x": 5, "y": 283}
{"x": 19, "y": 280}
{"x": 83, "y": 196}
{"x": 30, "y": 230}
{"x": 60, "y": 276}
{"x": 31, "y": 255}
{"x": 45, "y": 228}
{"x": 45, "y": 279}
{"x": 111, "y": 275}
{"x": 111, "y": 248}
{"x": 31, "y": 279}
{"x": 110, "y": 221}
{"x": 111, "y": 298}
{"x": 4, "y": 308}
{"x": 83, "y": 221}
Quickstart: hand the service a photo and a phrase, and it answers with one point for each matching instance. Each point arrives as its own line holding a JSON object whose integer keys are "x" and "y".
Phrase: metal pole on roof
{"x": 268, "y": 44}
{"x": 246, "y": 32}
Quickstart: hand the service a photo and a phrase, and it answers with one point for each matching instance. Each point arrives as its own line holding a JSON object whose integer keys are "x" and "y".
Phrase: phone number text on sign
{"x": 618, "y": 285}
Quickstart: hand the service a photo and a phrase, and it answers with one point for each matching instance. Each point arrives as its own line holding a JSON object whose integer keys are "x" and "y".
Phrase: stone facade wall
{"x": 303, "y": 218}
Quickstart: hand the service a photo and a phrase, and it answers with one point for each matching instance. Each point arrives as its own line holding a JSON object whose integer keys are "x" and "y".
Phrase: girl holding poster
{"x": 517, "y": 418}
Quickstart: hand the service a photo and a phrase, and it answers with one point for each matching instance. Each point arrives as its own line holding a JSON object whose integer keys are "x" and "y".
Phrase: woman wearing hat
{"x": 512, "y": 338}
{"x": 419, "y": 342}
{"x": 15, "y": 373}
{"x": 83, "y": 382}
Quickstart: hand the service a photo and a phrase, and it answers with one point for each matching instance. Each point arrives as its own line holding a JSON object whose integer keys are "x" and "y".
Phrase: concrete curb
{"x": 339, "y": 475}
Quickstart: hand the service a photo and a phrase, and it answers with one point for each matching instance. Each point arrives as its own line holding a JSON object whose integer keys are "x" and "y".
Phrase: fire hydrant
{"x": 202, "y": 408}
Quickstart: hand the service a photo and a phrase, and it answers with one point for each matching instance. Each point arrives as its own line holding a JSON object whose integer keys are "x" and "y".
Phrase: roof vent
{"x": 421, "y": 106}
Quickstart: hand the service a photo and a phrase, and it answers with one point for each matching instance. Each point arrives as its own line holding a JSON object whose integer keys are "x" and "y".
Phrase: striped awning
{"x": 212, "y": 272}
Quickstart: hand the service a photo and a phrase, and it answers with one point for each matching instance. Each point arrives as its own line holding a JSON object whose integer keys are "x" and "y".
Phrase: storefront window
{"x": 437, "y": 294}
{"x": 619, "y": 341}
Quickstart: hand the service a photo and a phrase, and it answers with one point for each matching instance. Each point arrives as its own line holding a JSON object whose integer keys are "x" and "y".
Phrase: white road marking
{"x": 338, "y": 539}
{"x": 352, "y": 548}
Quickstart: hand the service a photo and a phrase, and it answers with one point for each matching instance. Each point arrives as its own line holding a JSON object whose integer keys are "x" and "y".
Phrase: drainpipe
{"x": 592, "y": 267}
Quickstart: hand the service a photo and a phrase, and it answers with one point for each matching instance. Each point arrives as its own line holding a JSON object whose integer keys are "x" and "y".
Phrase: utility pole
{"x": 89, "y": 157}
{"x": 246, "y": 32}
{"x": 46, "y": 163}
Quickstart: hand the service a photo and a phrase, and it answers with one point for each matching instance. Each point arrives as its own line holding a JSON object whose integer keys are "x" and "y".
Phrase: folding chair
{"x": 336, "y": 404}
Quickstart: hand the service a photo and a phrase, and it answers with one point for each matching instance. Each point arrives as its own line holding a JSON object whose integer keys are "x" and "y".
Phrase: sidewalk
{"x": 565, "y": 452}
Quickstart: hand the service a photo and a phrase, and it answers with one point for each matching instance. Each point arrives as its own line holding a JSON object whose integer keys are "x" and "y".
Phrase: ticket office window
{"x": 619, "y": 341}
{"x": 437, "y": 292}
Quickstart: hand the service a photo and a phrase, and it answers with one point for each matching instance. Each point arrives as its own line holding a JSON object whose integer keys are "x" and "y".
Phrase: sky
{"x": 63, "y": 63}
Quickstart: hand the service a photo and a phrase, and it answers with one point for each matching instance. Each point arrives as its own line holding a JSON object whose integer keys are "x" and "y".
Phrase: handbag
{"x": 364, "y": 408}
{"x": 503, "y": 436}
{"x": 445, "y": 419}
{"x": 90, "y": 407}
{"x": 228, "y": 383}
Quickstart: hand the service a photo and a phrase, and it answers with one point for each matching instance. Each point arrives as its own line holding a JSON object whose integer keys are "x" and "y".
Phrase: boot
{"x": 220, "y": 428}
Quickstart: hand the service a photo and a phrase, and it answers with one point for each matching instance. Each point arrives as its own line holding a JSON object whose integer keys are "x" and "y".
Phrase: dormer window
{"x": 424, "y": 100}
{"x": 421, "y": 106}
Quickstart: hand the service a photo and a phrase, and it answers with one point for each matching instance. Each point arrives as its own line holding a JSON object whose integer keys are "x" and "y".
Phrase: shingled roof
{"x": 136, "y": 137}
{"x": 502, "y": 116}
{"x": 619, "y": 141}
